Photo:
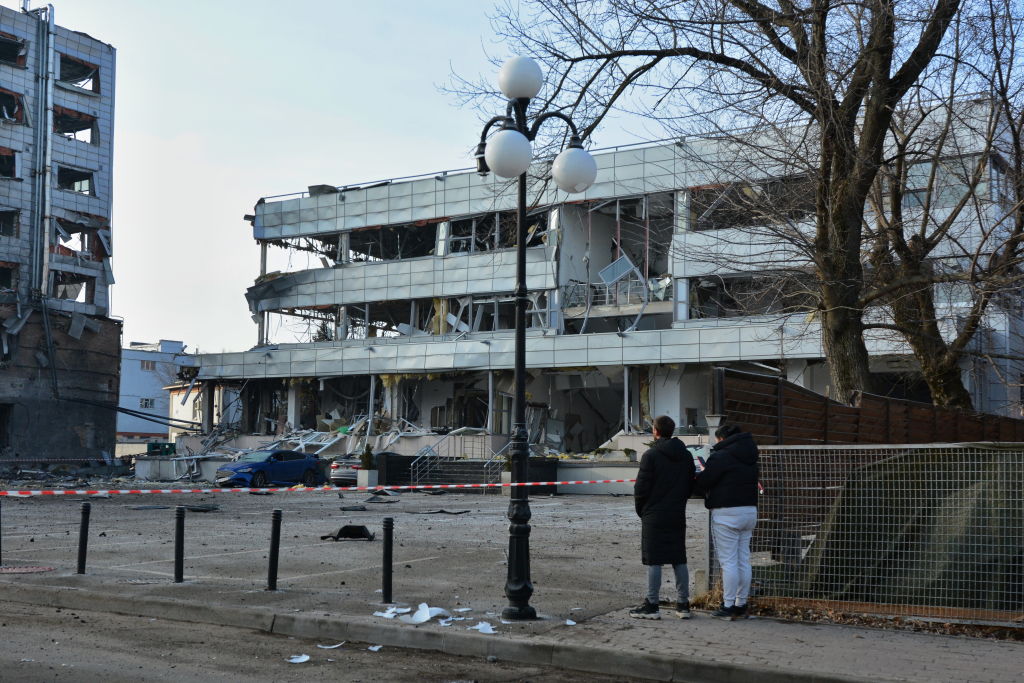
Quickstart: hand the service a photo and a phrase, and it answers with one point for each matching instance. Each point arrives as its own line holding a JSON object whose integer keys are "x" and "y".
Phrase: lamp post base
{"x": 519, "y": 613}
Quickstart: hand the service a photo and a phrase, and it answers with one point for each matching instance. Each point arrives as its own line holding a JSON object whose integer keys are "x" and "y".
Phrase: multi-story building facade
{"x": 59, "y": 372}
{"x": 147, "y": 370}
{"x": 408, "y": 311}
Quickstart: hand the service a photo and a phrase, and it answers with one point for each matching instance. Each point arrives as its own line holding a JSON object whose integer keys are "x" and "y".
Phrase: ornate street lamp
{"x": 508, "y": 153}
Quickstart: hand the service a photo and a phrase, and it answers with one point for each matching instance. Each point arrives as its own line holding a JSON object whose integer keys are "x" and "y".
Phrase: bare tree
{"x": 837, "y": 72}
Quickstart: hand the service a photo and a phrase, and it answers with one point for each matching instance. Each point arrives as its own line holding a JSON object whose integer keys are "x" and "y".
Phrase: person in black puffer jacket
{"x": 663, "y": 486}
{"x": 729, "y": 485}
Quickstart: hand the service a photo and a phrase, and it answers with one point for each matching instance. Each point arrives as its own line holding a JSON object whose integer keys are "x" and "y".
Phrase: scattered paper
{"x": 330, "y": 647}
{"x": 483, "y": 627}
{"x": 375, "y": 648}
{"x": 570, "y": 622}
{"x": 424, "y": 614}
{"x": 298, "y": 659}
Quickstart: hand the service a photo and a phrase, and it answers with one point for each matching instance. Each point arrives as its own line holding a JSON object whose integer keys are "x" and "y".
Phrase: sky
{"x": 221, "y": 102}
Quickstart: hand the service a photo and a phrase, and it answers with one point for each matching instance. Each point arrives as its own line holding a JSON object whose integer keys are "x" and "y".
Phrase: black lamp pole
{"x": 518, "y": 586}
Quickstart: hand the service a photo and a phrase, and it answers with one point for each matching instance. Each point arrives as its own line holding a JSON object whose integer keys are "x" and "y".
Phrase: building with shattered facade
{"x": 60, "y": 364}
{"x": 408, "y": 311}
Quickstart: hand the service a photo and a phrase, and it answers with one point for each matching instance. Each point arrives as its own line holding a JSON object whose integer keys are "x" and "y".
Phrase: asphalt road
{"x": 45, "y": 644}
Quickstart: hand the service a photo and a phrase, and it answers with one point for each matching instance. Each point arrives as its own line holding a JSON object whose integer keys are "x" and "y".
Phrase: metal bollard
{"x": 83, "y": 537}
{"x": 275, "y": 547}
{"x": 179, "y": 544}
{"x": 389, "y": 528}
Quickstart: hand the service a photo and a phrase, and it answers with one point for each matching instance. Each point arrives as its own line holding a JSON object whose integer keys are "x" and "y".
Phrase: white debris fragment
{"x": 330, "y": 647}
{"x": 445, "y": 622}
{"x": 483, "y": 627}
{"x": 576, "y": 609}
{"x": 424, "y": 614}
{"x": 375, "y": 648}
{"x": 570, "y": 622}
{"x": 392, "y": 612}
{"x": 463, "y": 609}
{"x": 297, "y": 659}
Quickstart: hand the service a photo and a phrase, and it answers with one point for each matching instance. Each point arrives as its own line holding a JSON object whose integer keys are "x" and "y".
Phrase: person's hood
{"x": 741, "y": 446}
{"x": 672, "y": 448}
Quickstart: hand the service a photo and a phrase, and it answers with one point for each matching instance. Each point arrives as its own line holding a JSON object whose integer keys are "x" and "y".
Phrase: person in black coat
{"x": 729, "y": 485}
{"x": 663, "y": 486}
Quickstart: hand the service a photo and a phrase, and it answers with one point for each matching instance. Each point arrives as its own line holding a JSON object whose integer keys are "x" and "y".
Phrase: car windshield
{"x": 255, "y": 456}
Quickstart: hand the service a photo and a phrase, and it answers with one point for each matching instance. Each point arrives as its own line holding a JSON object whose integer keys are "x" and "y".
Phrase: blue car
{"x": 260, "y": 469}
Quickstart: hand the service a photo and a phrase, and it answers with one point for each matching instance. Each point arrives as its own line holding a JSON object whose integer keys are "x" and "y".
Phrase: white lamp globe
{"x": 520, "y": 77}
{"x": 508, "y": 153}
{"x": 574, "y": 170}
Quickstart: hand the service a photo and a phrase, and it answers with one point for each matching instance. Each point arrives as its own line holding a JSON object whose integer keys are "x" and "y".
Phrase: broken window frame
{"x": 10, "y": 222}
{"x": 76, "y": 180}
{"x": 9, "y": 167}
{"x": 67, "y": 286}
{"x": 12, "y": 107}
{"x": 751, "y": 204}
{"x": 8, "y": 276}
{"x": 78, "y": 73}
{"x": 75, "y": 125}
{"x": 11, "y": 44}
{"x": 494, "y": 230}
{"x": 147, "y": 403}
{"x": 780, "y": 294}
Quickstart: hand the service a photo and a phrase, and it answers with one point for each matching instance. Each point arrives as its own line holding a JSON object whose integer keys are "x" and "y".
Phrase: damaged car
{"x": 259, "y": 469}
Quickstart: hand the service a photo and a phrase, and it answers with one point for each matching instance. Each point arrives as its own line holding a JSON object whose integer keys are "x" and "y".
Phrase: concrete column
{"x": 369, "y": 409}
{"x": 625, "y": 400}
{"x": 207, "y": 398}
{"x": 293, "y": 405}
{"x": 490, "y": 401}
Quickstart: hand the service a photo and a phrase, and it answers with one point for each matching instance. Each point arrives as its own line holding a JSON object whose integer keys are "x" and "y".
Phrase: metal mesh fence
{"x": 920, "y": 530}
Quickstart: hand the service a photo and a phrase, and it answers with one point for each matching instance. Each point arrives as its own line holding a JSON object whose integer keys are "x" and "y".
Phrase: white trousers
{"x": 732, "y": 529}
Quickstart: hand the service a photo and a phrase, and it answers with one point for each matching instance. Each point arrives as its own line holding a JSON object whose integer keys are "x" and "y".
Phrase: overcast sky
{"x": 220, "y": 102}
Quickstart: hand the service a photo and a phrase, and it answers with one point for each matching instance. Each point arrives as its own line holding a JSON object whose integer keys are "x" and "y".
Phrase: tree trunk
{"x": 842, "y": 333}
{"x": 915, "y": 314}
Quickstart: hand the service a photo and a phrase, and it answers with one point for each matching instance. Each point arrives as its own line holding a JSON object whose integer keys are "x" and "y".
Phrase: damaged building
{"x": 60, "y": 363}
{"x": 405, "y": 310}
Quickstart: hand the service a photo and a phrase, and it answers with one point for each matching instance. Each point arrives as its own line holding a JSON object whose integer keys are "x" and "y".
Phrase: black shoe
{"x": 739, "y": 611}
{"x": 683, "y": 609}
{"x": 648, "y": 610}
{"x": 723, "y": 612}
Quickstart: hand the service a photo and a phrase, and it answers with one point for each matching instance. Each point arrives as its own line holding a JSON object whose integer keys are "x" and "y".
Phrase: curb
{"x": 533, "y": 651}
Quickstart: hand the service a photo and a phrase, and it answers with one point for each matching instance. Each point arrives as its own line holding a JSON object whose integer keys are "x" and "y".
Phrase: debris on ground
{"x": 297, "y": 659}
{"x": 393, "y": 612}
{"x": 149, "y": 507}
{"x": 352, "y": 531}
{"x": 439, "y": 511}
{"x": 353, "y": 508}
{"x": 330, "y": 647}
{"x": 483, "y": 627}
{"x": 424, "y": 614}
{"x": 375, "y": 648}
{"x": 206, "y": 507}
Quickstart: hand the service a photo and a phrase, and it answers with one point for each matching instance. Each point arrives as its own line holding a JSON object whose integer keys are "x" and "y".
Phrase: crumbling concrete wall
{"x": 57, "y": 399}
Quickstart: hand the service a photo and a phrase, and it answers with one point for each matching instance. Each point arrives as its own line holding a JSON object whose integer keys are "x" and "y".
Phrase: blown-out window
{"x": 79, "y": 73}
{"x": 75, "y": 180}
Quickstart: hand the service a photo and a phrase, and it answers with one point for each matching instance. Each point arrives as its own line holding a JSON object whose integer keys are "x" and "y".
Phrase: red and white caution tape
{"x": 303, "y": 489}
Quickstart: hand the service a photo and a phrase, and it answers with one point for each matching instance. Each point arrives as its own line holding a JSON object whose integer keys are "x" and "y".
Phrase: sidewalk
{"x": 585, "y": 567}
{"x": 700, "y": 649}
